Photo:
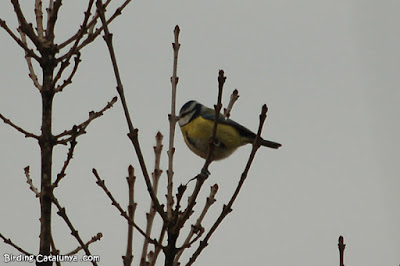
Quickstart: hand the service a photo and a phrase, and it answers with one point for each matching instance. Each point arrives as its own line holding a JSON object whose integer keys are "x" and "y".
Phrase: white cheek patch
{"x": 185, "y": 119}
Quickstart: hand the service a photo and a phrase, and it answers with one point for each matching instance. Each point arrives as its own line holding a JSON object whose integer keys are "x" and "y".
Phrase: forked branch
{"x": 72, "y": 50}
{"x": 133, "y": 132}
{"x": 25, "y": 26}
{"x": 29, "y": 52}
{"x": 77, "y": 130}
{"x": 123, "y": 213}
{"x": 73, "y": 142}
{"x": 228, "y": 208}
{"x": 63, "y": 214}
{"x": 91, "y": 241}
{"x": 197, "y": 228}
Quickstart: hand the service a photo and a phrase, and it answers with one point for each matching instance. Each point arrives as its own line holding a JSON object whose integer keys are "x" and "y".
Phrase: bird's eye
{"x": 217, "y": 143}
{"x": 186, "y": 113}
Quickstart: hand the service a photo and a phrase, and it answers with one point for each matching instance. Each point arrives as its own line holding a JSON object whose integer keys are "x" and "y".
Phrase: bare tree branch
{"x": 54, "y": 250}
{"x": 153, "y": 256}
{"x": 30, "y": 182}
{"x": 228, "y": 208}
{"x": 127, "y": 259}
{"x": 25, "y": 27}
{"x": 73, "y": 142}
{"x": 133, "y": 132}
{"x": 72, "y": 51}
{"x": 49, "y": 10}
{"x": 179, "y": 220}
{"x": 94, "y": 239}
{"x": 26, "y": 133}
{"x": 39, "y": 19}
{"x": 52, "y": 19}
{"x": 218, "y": 107}
{"x": 155, "y": 178}
{"x": 32, "y": 74}
{"x": 68, "y": 81}
{"x": 172, "y": 123}
{"x": 201, "y": 178}
{"x": 232, "y": 100}
{"x": 123, "y": 213}
{"x": 29, "y": 52}
{"x": 197, "y": 228}
{"x": 90, "y": 26}
{"x": 92, "y": 36}
{"x": 62, "y": 213}
{"x": 341, "y": 246}
{"x": 80, "y": 129}
{"x": 9, "y": 242}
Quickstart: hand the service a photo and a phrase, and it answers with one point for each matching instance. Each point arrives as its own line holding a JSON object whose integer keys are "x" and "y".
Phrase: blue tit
{"x": 197, "y": 122}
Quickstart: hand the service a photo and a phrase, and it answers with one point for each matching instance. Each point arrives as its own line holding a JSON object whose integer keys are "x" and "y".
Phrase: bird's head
{"x": 188, "y": 112}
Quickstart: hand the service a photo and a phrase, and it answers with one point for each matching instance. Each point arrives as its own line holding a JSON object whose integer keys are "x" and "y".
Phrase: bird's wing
{"x": 222, "y": 120}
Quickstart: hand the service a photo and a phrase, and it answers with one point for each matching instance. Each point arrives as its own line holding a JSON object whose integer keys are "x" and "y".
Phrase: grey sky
{"x": 328, "y": 71}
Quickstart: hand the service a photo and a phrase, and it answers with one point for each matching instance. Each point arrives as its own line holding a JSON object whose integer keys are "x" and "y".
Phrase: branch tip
{"x": 177, "y": 29}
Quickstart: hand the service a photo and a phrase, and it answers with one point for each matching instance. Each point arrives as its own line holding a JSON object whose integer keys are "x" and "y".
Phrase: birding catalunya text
{"x": 8, "y": 257}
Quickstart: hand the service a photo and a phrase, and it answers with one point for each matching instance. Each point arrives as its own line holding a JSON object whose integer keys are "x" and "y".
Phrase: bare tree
{"x": 53, "y": 60}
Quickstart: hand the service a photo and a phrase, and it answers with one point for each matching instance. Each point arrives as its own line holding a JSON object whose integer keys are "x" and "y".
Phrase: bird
{"x": 197, "y": 121}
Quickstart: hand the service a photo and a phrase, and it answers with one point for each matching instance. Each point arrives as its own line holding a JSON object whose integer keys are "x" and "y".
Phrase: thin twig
{"x": 32, "y": 74}
{"x": 62, "y": 213}
{"x": 26, "y": 133}
{"x": 9, "y": 242}
{"x": 341, "y": 246}
{"x": 217, "y": 108}
{"x": 90, "y": 26}
{"x": 72, "y": 51}
{"x": 80, "y": 129}
{"x": 133, "y": 132}
{"x": 73, "y": 142}
{"x": 92, "y": 36}
{"x": 232, "y": 100}
{"x": 79, "y": 248}
{"x": 50, "y": 8}
{"x": 54, "y": 250}
{"x": 29, "y": 52}
{"x": 30, "y": 182}
{"x": 172, "y": 123}
{"x": 123, "y": 213}
{"x": 197, "y": 228}
{"x": 39, "y": 19}
{"x": 25, "y": 26}
{"x": 157, "y": 249}
{"x": 68, "y": 81}
{"x": 127, "y": 259}
{"x": 181, "y": 190}
{"x": 52, "y": 19}
{"x": 228, "y": 208}
{"x": 155, "y": 178}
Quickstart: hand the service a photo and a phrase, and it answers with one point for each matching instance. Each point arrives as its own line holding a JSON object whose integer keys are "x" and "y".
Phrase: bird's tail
{"x": 270, "y": 144}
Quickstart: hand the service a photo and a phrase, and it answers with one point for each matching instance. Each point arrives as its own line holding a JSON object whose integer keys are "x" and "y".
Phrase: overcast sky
{"x": 329, "y": 73}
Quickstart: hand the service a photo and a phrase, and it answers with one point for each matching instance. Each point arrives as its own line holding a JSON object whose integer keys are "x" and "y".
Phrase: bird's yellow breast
{"x": 198, "y": 132}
